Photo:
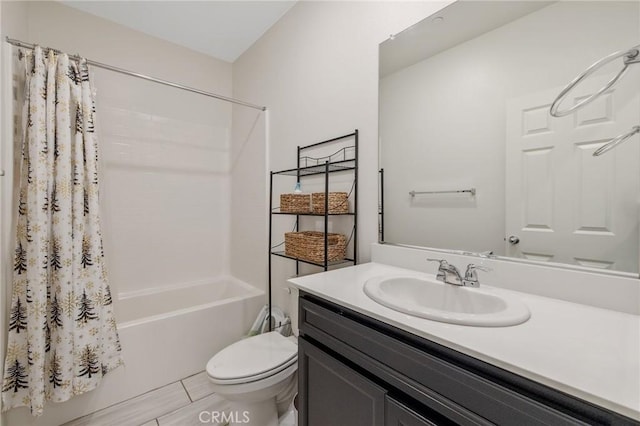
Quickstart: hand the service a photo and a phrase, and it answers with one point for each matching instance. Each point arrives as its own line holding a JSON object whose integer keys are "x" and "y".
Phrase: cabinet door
{"x": 398, "y": 414}
{"x": 330, "y": 393}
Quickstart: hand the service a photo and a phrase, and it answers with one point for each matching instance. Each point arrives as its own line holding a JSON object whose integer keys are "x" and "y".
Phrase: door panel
{"x": 564, "y": 204}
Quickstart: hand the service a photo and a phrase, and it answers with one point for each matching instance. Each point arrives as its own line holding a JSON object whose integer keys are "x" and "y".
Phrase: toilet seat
{"x": 252, "y": 359}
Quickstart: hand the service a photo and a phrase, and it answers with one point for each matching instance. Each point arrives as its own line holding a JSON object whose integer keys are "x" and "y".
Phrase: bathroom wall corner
{"x": 316, "y": 70}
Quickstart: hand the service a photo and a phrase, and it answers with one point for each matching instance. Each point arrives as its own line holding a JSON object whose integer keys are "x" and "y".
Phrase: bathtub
{"x": 145, "y": 306}
{"x": 171, "y": 333}
{"x": 166, "y": 334}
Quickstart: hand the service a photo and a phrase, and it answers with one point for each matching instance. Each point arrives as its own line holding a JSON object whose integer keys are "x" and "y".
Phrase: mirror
{"x": 471, "y": 159}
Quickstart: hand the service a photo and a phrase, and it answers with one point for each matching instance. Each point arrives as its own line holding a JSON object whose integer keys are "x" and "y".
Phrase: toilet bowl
{"x": 252, "y": 373}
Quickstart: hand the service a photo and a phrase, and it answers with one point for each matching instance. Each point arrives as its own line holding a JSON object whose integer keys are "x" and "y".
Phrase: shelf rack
{"x": 343, "y": 160}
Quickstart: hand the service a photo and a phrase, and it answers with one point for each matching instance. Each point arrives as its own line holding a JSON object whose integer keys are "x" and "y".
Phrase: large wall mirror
{"x": 473, "y": 161}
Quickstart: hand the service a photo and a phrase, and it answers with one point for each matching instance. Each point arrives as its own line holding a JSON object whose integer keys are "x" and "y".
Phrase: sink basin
{"x": 434, "y": 300}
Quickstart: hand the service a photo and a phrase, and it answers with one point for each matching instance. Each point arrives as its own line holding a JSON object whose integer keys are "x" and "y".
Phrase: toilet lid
{"x": 253, "y": 358}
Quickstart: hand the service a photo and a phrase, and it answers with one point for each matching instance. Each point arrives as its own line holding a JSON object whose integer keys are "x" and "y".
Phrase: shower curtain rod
{"x": 30, "y": 46}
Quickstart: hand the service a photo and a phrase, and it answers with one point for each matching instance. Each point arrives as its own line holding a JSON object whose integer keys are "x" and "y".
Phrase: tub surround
{"x": 584, "y": 351}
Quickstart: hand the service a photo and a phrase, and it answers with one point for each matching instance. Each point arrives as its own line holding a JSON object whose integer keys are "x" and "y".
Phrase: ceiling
{"x": 457, "y": 23}
{"x": 222, "y": 29}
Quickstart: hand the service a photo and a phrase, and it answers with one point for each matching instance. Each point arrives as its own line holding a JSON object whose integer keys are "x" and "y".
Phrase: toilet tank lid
{"x": 252, "y": 356}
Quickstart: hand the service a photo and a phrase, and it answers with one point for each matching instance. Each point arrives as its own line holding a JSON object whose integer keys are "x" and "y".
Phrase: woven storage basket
{"x": 309, "y": 245}
{"x": 295, "y": 203}
{"x": 338, "y": 202}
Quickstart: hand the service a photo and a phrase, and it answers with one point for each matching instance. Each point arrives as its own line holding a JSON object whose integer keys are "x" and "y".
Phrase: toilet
{"x": 255, "y": 375}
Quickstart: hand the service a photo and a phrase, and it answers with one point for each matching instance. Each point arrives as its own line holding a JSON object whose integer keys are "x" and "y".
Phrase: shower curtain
{"x": 62, "y": 333}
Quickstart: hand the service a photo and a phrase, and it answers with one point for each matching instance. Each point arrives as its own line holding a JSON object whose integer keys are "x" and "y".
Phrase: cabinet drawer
{"x": 436, "y": 376}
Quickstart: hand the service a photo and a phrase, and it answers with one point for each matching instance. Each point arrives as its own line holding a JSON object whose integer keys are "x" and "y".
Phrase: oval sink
{"x": 434, "y": 300}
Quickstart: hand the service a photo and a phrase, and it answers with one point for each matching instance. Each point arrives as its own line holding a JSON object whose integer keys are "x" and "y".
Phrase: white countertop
{"x": 588, "y": 352}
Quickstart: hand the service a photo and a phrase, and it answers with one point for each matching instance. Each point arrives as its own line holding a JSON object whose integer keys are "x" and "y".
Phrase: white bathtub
{"x": 166, "y": 334}
{"x": 136, "y": 308}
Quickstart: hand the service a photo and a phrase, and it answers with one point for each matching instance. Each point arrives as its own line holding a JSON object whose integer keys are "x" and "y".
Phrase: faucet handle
{"x": 472, "y": 267}
{"x": 443, "y": 266}
{"x": 471, "y": 276}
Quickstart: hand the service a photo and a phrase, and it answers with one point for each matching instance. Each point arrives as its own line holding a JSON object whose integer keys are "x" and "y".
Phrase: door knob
{"x": 513, "y": 239}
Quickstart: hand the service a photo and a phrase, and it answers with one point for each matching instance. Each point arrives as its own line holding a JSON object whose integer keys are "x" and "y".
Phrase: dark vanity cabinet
{"x": 336, "y": 394}
{"x": 358, "y": 371}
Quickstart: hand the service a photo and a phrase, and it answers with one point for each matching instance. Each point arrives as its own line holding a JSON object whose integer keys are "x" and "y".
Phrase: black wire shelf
{"x": 320, "y": 264}
{"x": 336, "y": 166}
{"x": 306, "y": 161}
{"x": 313, "y": 214}
{"x": 344, "y": 159}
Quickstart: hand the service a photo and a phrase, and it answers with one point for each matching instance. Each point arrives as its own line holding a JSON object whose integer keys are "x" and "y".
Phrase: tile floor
{"x": 177, "y": 404}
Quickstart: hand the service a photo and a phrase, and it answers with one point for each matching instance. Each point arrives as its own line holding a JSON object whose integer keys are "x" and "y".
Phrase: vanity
{"x": 361, "y": 363}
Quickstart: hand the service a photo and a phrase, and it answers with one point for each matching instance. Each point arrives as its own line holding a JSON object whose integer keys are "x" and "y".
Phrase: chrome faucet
{"x": 449, "y": 274}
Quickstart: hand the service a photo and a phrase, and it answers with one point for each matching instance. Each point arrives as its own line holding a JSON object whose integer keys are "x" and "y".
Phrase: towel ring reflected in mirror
{"x": 631, "y": 56}
{"x": 616, "y": 141}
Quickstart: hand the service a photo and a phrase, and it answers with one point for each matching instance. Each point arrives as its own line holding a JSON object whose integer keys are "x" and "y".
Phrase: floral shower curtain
{"x": 62, "y": 331}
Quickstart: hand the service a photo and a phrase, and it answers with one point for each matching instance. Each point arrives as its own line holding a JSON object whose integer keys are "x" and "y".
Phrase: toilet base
{"x": 254, "y": 413}
{"x": 290, "y": 416}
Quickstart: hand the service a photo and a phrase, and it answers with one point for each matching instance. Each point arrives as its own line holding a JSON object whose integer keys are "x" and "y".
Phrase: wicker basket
{"x": 295, "y": 203}
{"x": 338, "y": 202}
{"x": 309, "y": 245}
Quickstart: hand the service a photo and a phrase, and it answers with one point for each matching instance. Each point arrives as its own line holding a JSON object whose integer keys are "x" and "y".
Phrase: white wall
{"x": 317, "y": 71}
{"x": 165, "y": 152}
{"x": 443, "y": 120}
